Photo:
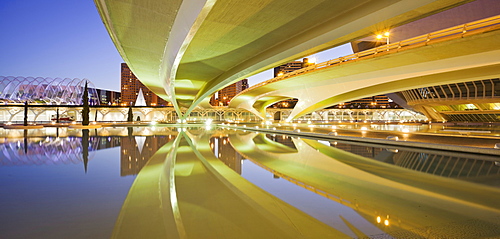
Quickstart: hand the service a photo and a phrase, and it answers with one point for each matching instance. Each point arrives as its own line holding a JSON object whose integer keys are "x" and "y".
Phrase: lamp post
{"x": 385, "y": 35}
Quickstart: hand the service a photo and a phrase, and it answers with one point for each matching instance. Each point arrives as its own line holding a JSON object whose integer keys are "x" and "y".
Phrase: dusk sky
{"x": 67, "y": 39}
{"x": 57, "y": 38}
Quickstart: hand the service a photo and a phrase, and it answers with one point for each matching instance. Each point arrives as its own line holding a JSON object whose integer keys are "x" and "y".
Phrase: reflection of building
{"x": 50, "y": 151}
{"x": 369, "y": 152}
{"x": 282, "y": 139}
{"x": 447, "y": 166}
{"x": 130, "y": 87}
{"x": 222, "y": 97}
{"x": 226, "y": 153}
{"x": 137, "y": 150}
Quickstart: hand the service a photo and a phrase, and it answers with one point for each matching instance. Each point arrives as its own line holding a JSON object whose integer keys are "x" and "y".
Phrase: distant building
{"x": 373, "y": 102}
{"x": 222, "y": 97}
{"x": 108, "y": 97}
{"x": 292, "y": 66}
{"x": 472, "y": 101}
{"x": 49, "y": 91}
{"x": 130, "y": 87}
{"x": 287, "y": 68}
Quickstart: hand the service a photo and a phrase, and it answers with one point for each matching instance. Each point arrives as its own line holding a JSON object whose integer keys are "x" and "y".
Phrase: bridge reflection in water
{"x": 191, "y": 187}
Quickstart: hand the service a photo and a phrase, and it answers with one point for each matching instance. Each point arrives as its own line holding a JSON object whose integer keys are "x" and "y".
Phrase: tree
{"x": 85, "y": 148}
{"x": 26, "y": 113}
{"x": 130, "y": 116}
{"x": 86, "y": 109}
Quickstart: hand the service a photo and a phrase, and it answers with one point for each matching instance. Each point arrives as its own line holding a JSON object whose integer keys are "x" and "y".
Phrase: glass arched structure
{"x": 49, "y": 91}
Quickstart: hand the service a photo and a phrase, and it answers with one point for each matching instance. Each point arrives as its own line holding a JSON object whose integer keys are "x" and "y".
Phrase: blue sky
{"x": 67, "y": 39}
{"x": 323, "y": 56}
{"x": 57, "y": 38}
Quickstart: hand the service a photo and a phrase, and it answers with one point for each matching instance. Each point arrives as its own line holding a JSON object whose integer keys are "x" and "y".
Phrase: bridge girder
{"x": 185, "y": 51}
{"x": 461, "y": 59}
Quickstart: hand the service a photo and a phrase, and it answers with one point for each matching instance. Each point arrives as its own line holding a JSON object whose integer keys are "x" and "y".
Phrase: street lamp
{"x": 385, "y": 35}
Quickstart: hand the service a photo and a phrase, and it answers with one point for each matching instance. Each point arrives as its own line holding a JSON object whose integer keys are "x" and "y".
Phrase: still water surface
{"x": 221, "y": 182}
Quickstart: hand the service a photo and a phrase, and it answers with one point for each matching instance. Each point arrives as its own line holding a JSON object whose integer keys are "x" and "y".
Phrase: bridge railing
{"x": 468, "y": 29}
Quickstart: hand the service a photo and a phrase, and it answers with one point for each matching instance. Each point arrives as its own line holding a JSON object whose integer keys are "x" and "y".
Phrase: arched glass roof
{"x": 45, "y": 90}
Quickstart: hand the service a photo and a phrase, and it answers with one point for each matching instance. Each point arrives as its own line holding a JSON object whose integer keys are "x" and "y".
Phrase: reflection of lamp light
{"x": 280, "y": 73}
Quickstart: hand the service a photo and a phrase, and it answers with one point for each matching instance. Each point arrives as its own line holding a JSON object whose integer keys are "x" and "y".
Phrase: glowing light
{"x": 209, "y": 122}
{"x": 405, "y": 130}
{"x": 364, "y": 128}
{"x": 386, "y": 222}
{"x": 384, "y": 35}
{"x": 379, "y": 219}
{"x": 334, "y": 127}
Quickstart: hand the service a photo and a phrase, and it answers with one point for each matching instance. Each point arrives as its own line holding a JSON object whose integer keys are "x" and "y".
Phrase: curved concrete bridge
{"x": 185, "y": 51}
{"x": 463, "y": 53}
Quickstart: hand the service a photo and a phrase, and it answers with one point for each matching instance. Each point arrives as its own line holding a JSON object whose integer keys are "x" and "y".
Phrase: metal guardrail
{"x": 468, "y": 29}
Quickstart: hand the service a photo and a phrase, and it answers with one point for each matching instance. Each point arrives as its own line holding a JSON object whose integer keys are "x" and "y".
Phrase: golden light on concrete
{"x": 184, "y": 51}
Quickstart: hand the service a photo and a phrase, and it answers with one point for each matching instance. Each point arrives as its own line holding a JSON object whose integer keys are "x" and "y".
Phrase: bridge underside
{"x": 185, "y": 51}
{"x": 463, "y": 59}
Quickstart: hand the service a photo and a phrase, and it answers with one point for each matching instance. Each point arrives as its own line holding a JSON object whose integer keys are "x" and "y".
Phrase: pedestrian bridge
{"x": 45, "y": 114}
{"x": 458, "y": 54}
